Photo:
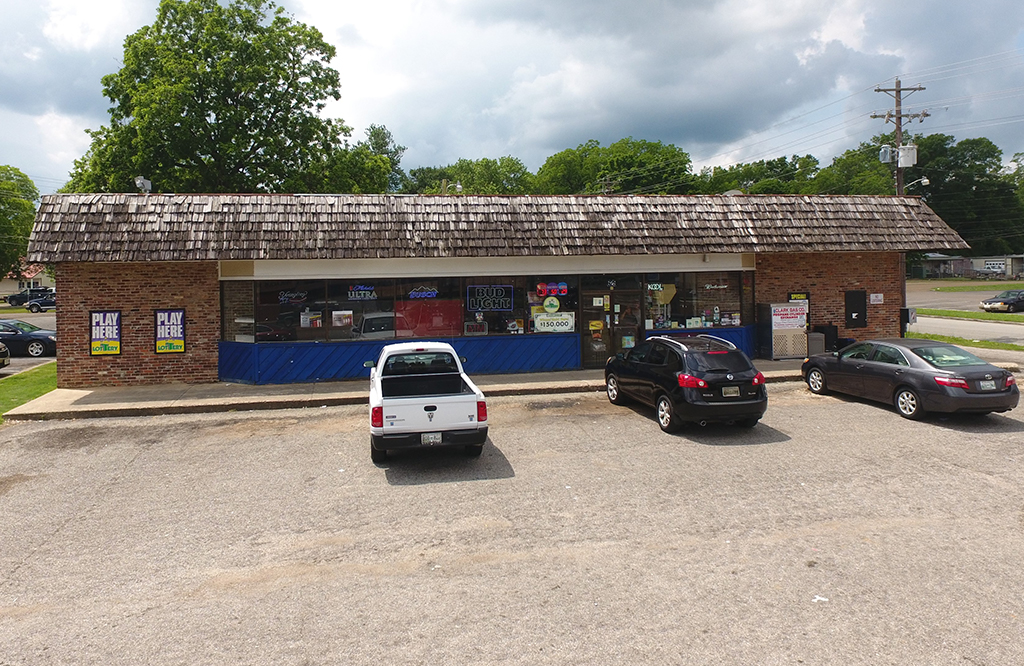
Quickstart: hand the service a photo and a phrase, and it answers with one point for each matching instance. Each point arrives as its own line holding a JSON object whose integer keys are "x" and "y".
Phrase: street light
{"x": 924, "y": 181}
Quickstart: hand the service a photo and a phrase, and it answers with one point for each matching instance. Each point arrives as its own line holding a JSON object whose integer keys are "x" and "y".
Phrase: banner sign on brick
{"x": 105, "y": 333}
{"x": 169, "y": 331}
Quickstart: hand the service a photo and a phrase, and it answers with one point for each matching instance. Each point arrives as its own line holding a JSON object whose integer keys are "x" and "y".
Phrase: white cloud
{"x": 83, "y": 25}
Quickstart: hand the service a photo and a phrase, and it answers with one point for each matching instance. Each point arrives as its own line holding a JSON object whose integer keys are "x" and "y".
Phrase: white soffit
{"x": 482, "y": 266}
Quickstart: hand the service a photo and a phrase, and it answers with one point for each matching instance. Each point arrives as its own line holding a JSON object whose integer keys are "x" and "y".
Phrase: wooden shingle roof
{"x": 193, "y": 227}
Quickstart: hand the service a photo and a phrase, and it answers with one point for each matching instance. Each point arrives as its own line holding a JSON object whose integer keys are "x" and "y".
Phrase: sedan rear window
{"x": 948, "y": 357}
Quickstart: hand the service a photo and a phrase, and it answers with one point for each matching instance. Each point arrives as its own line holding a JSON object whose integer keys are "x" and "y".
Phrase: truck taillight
{"x": 955, "y": 382}
{"x": 377, "y": 417}
{"x": 689, "y": 381}
{"x": 481, "y": 411}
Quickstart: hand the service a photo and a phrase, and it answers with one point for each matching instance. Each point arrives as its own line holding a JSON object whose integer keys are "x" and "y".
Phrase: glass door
{"x": 611, "y": 323}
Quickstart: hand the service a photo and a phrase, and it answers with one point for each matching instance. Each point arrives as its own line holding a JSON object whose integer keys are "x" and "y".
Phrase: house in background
{"x": 32, "y": 275}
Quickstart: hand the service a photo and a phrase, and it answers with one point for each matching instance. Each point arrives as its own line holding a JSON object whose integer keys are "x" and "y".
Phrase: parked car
{"x": 26, "y": 295}
{"x": 382, "y": 326}
{"x": 21, "y": 337}
{"x": 42, "y": 304}
{"x": 5, "y": 356}
{"x": 689, "y": 378}
{"x": 420, "y": 396}
{"x": 916, "y": 376}
{"x": 1011, "y": 300}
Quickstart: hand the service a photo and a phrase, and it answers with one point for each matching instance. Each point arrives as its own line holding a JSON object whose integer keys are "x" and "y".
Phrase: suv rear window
{"x": 717, "y": 361}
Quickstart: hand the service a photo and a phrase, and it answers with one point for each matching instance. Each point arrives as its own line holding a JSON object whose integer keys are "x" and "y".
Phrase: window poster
{"x": 169, "y": 334}
{"x": 105, "y": 333}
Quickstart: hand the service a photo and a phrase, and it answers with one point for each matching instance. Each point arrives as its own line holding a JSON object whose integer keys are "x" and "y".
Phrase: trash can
{"x": 815, "y": 343}
{"x": 844, "y": 342}
{"x": 831, "y": 333}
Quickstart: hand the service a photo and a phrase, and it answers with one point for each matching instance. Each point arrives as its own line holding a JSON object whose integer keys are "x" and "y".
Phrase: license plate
{"x": 430, "y": 438}
{"x": 730, "y": 391}
{"x": 987, "y": 384}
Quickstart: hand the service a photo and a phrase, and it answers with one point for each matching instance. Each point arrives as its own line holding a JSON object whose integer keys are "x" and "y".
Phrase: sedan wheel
{"x": 667, "y": 418}
{"x": 1011, "y": 308}
{"x": 816, "y": 381}
{"x": 908, "y": 404}
{"x": 611, "y": 384}
{"x": 35, "y": 348}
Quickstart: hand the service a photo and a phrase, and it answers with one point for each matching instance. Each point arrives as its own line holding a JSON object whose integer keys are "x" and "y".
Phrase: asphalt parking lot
{"x": 834, "y": 532}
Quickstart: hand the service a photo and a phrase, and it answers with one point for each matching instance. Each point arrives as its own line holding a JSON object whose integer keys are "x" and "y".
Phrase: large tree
{"x": 223, "y": 98}
{"x": 505, "y": 175}
{"x": 18, "y": 195}
{"x": 628, "y": 166}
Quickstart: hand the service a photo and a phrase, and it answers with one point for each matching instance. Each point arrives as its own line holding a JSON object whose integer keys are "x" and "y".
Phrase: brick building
{"x": 300, "y": 288}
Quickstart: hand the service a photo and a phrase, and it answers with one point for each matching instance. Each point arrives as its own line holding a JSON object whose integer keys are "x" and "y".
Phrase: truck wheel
{"x": 474, "y": 450}
{"x": 378, "y": 455}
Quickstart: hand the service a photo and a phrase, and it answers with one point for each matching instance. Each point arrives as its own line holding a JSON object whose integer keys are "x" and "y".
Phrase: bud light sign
{"x": 489, "y": 298}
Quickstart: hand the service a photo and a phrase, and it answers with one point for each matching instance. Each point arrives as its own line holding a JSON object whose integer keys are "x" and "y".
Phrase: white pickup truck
{"x": 420, "y": 396}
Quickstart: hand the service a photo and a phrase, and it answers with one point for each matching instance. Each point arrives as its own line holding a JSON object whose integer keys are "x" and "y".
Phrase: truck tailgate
{"x": 430, "y": 414}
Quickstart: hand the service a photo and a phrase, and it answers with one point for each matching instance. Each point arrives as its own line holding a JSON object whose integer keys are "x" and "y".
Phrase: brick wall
{"x": 826, "y": 277}
{"x": 137, "y": 289}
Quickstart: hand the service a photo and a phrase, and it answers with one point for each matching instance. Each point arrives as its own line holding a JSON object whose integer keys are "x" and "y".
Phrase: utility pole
{"x": 896, "y": 117}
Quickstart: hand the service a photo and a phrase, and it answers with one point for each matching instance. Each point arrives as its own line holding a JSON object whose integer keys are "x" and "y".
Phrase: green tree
{"x": 220, "y": 98}
{"x": 505, "y": 175}
{"x": 628, "y": 166}
{"x": 857, "y": 171}
{"x": 380, "y": 142}
{"x": 794, "y": 175}
{"x": 18, "y": 195}
{"x": 968, "y": 189}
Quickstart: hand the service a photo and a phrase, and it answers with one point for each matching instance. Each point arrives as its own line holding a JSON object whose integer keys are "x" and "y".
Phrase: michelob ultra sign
{"x": 105, "y": 332}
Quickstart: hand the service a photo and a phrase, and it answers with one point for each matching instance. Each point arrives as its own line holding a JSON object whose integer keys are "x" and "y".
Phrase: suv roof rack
{"x": 702, "y": 336}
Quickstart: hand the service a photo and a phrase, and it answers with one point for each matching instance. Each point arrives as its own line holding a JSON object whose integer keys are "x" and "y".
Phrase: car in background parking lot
{"x": 42, "y": 304}
{"x": 689, "y": 379}
{"x": 23, "y": 338}
{"x": 915, "y": 376}
{"x": 1011, "y": 300}
{"x": 5, "y": 356}
{"x": 26, "y": 295}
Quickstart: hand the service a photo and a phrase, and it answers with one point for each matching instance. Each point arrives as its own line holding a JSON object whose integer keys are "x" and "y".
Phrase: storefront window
{"x": 237, "y": 319}
{"x": 430, "y": 307}
{"x": 364, "y": 310}
{"x": 495, "y": 306}
{"x": 696, "y": 300}
{"x": 291, "y": 310}
{"x": 552, "y": 303}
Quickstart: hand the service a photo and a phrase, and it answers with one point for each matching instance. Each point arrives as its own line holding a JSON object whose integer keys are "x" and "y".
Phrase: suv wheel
{"x": 667, "y": 418}
{"x": 34, "y": 307}
{"x": 611, "y": 385}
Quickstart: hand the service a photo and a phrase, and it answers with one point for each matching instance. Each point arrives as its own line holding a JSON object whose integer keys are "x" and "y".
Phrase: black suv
{"x": 693, "y": 378}
{"x": 30, "y": 294}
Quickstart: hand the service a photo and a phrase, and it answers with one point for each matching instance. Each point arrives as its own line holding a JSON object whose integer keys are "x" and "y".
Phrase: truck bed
{"x": 405, "y": 386}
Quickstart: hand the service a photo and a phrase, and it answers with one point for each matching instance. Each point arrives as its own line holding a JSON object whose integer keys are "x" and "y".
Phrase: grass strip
{"x": 965, "y": 314}
{"x": 26, "y": 386}
{"x": 994, "y": 288}
{"x": 964, "y": 342}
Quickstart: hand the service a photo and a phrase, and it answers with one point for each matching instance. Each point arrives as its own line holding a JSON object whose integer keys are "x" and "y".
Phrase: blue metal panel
{"x": 743, "y": 337}
{"x": 295, "y": 362}
{"x": 502, "y": 354}
{"x": 236, "y": 362}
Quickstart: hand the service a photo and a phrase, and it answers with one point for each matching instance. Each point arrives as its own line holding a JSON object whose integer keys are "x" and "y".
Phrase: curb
{"x": 305, "y": 402}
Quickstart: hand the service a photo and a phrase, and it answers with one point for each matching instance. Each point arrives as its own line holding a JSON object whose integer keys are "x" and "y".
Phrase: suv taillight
{"x": 955, "y": 382}
{"x": 481, "y": 411}
{"x": 758, "y": 379}
{"x": 689, "y": 381}
{"x": 377, "y": 417}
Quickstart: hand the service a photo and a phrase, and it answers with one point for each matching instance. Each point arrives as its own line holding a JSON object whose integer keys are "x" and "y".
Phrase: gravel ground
{"x": 834, "y": 532}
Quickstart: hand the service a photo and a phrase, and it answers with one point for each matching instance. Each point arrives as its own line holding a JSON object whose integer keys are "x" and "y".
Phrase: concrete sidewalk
{"x": 226, "y": 397}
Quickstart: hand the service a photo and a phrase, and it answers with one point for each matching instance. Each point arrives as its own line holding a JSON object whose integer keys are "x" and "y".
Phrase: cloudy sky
{"x": 726, "y": 80}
